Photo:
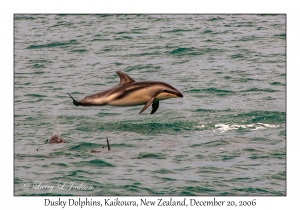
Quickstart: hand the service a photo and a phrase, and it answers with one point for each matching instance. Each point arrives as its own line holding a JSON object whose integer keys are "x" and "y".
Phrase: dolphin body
{"x": 131, "y": 93}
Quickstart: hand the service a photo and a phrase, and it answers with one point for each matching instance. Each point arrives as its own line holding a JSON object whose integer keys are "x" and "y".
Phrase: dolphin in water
{"x": 131, "y": 93}
{"x": 56, "y": 139}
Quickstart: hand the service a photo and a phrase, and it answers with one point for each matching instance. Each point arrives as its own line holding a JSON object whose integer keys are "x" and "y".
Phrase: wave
{"x": 53, "y": 44}
{"x": 260, "y": 90}
{"x": 151, "y": 155}
{"x": 218, "y": 92}
{"x": 139, "y": 67}
{"x": 181, "y": 51}
{"x": 94, "y": 163}
{"x": 85, "y": 146}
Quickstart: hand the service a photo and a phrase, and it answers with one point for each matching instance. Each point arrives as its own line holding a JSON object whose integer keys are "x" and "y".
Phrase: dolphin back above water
{"x": 131, "y": 93}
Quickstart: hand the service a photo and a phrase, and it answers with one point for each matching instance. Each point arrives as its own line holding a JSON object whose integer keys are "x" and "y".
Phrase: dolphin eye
{"x": 165, "y": 90}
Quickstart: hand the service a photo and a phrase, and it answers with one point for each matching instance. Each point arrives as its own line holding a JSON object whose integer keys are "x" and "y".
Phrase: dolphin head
{"x": 167, "y": 91}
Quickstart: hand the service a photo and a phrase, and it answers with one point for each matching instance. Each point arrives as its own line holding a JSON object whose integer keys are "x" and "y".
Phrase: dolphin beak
{"x": 179, "y": 94}
{"x": 176, "y": 93}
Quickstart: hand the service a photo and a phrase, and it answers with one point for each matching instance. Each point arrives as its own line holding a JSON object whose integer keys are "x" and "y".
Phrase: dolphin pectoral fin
{"x": 149, "y": 102}
{"x": 76, "y": 103}
{"x": 155, "y": 106}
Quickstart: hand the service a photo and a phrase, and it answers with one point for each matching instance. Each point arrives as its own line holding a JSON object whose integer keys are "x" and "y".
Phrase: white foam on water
{"x": 225, "y": 127}
{"x": 258, "y": 126}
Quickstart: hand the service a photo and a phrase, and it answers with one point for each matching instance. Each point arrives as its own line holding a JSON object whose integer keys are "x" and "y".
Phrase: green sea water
{"x": 226, "y": 136}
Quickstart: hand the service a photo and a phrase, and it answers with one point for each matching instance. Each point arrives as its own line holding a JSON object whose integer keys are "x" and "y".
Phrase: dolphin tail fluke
{"x": 76, "y": 103}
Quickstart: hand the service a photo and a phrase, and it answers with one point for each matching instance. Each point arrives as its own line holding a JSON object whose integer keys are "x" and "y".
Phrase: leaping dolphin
{"x": 131, "y": 93}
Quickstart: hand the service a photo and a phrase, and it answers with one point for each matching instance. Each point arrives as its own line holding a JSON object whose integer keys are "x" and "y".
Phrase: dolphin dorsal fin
{"x": 124, "y": 78}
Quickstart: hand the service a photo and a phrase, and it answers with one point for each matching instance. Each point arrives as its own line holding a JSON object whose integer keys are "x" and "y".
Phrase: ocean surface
{"x": 226, "y": 136}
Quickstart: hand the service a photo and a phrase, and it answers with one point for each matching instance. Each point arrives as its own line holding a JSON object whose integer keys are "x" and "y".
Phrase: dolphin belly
{"x": 126, "y": 103}
{"x": 138, "y": 97}
{"x": 97, "y": 101}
